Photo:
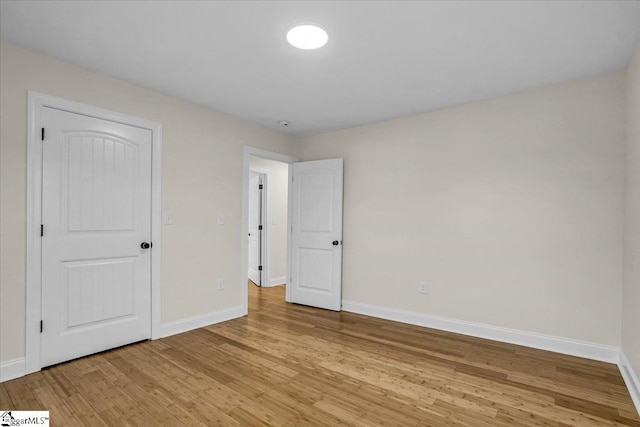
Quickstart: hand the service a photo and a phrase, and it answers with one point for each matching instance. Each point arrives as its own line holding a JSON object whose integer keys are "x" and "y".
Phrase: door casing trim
{"x": 33, "y": 311}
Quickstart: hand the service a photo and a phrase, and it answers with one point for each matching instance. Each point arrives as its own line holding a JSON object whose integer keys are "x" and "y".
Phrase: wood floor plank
{"x": 291, "y": 365}
{"x": 5, "y": 399}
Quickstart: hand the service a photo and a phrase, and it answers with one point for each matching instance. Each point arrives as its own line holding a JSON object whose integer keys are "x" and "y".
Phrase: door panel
{"x": 315, "y": 268}
{"x": 316, "y": 212}
{"x": 316, "y": 197}
{"x": 99, "y": 175}
{"x": 96, "y": 210}
{"x": 97, "y": 290}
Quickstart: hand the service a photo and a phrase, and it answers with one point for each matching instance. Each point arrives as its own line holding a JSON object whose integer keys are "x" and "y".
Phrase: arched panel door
{"x": 96, "y": 211}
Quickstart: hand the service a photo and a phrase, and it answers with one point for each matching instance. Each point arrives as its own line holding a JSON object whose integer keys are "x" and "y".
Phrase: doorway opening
{"x": 265, "y": 218}
{"x": 267, "y": 222}
{"x": 313, "y": 230}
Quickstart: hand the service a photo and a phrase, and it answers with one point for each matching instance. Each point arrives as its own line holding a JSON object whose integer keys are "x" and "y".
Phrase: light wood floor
{"x": 293, "y": 365}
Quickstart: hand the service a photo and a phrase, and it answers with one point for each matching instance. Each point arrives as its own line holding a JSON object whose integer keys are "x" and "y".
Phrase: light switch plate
{"x": 220, "y": 218}
{"x": 168, "y": 218}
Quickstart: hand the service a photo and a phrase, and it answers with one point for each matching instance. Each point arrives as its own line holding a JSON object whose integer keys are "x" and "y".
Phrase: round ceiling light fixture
{"x": 307, "y": 36}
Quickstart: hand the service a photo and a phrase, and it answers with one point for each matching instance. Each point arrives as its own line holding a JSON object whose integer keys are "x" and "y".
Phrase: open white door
{"x": 255, "y": 214}
{"x": 316, "y": 234}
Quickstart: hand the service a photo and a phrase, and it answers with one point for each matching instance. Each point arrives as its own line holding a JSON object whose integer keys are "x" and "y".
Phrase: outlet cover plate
{"x": 422, "y": 287}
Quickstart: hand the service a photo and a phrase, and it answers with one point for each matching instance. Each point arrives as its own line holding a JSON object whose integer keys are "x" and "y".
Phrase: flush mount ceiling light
{"x": 307, "y": 36}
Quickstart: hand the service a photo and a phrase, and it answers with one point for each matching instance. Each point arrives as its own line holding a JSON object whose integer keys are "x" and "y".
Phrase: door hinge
{"x": 41, "y": 230}
{"x": 259, "y": 227}
{"x": 259, "y": 268}
{"x": 41, "y": 326}
{"x": 42, "y": 134}
{"x": 260, "y": 187}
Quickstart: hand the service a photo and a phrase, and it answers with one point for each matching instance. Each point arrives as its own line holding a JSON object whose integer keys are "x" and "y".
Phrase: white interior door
{"x": 254, "y": 233}
{"x": 316, "y": 233}
{"x": 96, "y": 210}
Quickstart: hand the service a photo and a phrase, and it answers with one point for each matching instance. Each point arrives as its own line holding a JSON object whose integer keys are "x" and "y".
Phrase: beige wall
{"x": 631, "y": 287}
{"x": 510, "y": 209}
{"x": 202, "y": 175}
{"x": 277, "y": 194}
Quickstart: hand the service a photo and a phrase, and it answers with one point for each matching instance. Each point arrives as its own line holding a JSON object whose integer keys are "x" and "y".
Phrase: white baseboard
{"x": 276, "y": 281}
{"x": 199, "y": 321}
{"x": 12, "y": 369}
{"x": 513, "y": 336}
{"x": 631, "y": 379}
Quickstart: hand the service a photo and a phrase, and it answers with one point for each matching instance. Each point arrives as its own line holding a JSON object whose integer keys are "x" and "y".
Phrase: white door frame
{"x": 244, "y": 265}
{"x": 35, "y": 103}
{"x": 265, "y": 245}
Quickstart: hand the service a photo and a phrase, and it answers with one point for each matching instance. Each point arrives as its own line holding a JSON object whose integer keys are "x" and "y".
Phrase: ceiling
{"x": 384, "y": 59}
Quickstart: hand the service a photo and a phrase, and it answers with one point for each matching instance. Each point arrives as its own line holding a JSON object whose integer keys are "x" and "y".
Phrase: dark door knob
{"x": 145, "y": 245}
{"x": 335, "y": 243}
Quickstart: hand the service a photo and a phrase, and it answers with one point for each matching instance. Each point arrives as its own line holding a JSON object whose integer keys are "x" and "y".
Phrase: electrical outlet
{"x": 220, "y": 284}
{"x": 422, "y": 287}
